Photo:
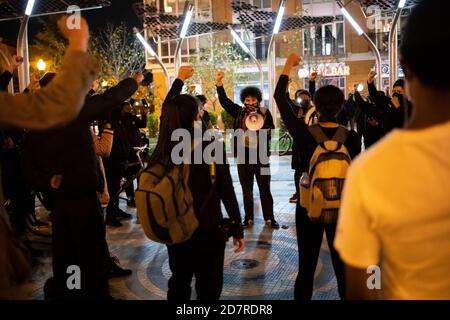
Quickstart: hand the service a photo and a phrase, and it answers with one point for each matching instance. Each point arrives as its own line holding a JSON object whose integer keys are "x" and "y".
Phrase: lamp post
{"x": 271, "y": 62}
{"x": 393, "y": 44}
{"x": 188, "y": 12}
{"x": 248, "y": 51}
{"x": 153, "y": 54}
{"x": 22, "y": 47}
{"x": 369, "y": 41}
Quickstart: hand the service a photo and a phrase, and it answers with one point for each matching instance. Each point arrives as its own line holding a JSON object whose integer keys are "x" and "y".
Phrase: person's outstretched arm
{"x": 184, "y": 73}
{"x": 61, "y": 101}
{"x": 101, "y": 104}
{"x": 312, "y": 84}
{"x": 293, "y": 124}
{"x": 226, "y": 103}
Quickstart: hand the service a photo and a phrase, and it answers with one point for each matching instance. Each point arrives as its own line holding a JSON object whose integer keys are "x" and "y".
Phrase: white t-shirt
{"x": 395, "y": 213}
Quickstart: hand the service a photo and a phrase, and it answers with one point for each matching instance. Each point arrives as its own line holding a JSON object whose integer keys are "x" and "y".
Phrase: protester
{"x": 202, "y": 255}
{"x": 328, "y": 101}
{"x": 395, "y": 215}
{"x": 251, "y": 97}
{"x": 55, "y": 105}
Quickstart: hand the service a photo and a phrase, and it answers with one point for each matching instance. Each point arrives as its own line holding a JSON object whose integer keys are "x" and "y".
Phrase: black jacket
{"x": 207, "y": 196}
{"x": 69, "y": 151}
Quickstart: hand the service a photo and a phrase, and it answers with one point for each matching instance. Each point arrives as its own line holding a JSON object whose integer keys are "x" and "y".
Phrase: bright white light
{"x": 186, "y": 23}
{"x": 239, "y": 40}
{"x": 41, "y": 65}
{"x": 360, "y": 87}
{"x": 29, "y": 8}
{"x": 104, "y": 83}
{"x": 277, "y": 26}
{"x": 303, "y": 73}
{"x": 401, "y": 4}
{"x": 352, "y": 21}
{"x": 145, "y": 44}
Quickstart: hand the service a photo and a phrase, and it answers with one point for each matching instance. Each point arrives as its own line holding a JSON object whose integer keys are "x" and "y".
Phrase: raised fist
{"x": 185, "y": 72}
{"x": 372, "y": 76}
{"x": 313, "y": 76}
{"x": 293, "y": 60}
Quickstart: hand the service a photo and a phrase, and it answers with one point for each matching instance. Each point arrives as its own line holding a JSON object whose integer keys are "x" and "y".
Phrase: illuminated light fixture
{"x": 360, "y": 88}
{"x": 29, "y": 8}
{"x": 104, "y": 83}
{"x": 41, "y": 65}
{"x": 186, "y": 22}
{"x": 239, "y": 40}
{"x": 280, "y": 14}
{"x": 146, "y": 45}
{"x": 352, "y": 21}
{"x": 402, "y": 4}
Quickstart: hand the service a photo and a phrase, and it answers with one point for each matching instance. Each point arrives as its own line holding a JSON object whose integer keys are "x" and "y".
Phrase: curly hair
{"x": 251, "y": 92}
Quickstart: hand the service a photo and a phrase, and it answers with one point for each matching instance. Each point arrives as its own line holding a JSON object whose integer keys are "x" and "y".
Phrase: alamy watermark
{"x": 247, "y": 147}
{"x": 74, "y": 20}
{"x": 374, "y": 280}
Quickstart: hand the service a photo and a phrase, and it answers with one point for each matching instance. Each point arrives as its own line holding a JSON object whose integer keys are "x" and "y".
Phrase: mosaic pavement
{"x": 265, "y": 270}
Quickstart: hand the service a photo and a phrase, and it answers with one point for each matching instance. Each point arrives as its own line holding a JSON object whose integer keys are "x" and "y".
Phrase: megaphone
{"x": 254, "y": 121}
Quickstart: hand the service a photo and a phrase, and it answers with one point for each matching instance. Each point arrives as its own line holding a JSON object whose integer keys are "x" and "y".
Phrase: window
{"x": 324, "y": 40}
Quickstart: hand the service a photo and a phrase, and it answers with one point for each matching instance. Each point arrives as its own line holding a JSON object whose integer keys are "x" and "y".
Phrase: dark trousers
{"x": 297, "y": 176}
{"x": 246, "y": 173}
{"x": 131, "y": 171}
{"x": 79, "y": 239}
{"x": 115, "y": 171}
{"x": 309, "y": 239}
{"x": 202, "y": 256}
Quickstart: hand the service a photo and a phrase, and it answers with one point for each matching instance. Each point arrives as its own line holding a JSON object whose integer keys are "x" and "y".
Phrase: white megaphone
{"x": 254, "y": 121}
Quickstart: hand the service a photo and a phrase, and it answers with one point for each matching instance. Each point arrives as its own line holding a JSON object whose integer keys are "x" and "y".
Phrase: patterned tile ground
{"x": 266, "y": 270}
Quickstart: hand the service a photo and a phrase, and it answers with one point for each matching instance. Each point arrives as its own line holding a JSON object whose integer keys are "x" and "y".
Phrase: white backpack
{"x": 327, "y": 171}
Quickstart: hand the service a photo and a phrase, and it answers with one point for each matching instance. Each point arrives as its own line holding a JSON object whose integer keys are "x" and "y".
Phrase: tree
{"x": 119, "y": 52}
{"x": 219, "y": 56}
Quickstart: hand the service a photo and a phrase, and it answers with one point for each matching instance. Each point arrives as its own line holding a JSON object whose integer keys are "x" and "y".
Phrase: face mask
{"x": 305, "y": 103}
{"x": 251, "y": 106}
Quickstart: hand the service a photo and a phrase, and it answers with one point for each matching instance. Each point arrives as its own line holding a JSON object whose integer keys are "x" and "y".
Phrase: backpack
{"x": 165, "y": 205}
{"x": 327, "y": 170}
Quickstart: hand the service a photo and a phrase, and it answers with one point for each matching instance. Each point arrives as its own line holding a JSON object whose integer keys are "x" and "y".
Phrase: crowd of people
{"x": 391, "y": 151}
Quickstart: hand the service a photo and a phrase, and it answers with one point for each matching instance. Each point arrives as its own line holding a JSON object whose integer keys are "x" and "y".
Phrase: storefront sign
{"x": 327, "y": 70}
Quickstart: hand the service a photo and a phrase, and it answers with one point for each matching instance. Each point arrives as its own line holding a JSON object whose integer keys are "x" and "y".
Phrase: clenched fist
{"x": 185, "y": 72}
{"x": 219, "y": 78}
{"x": 372, "y": 76}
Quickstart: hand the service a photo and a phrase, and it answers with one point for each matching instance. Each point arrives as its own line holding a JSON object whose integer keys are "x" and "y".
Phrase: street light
{"x": 152, "y": 53}
{"x": 41, "y": 65}
{"x": 29, "y": 8}
{"x": 352, "y": 21}
{"x": 188, "y": 12}
{"x": 146, "y": 44}
{"x": 393, "y": 43}
{"x": 247, "y": 50}
{"x": 369, "y": 41}
{"x": 271, "y": 58}
{"x": 280, "y": 14}
{"x": 401, "y": 4}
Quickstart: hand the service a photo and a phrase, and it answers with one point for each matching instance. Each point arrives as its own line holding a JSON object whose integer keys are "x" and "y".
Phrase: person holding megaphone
{"x": 254, "y": 120}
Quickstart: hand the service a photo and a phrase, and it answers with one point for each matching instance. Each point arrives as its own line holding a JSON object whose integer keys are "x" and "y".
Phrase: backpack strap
{"x": 341, "y": 135}
{"x": 319, "y": 136}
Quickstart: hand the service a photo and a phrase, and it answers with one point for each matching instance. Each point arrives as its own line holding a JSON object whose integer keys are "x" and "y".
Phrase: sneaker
{"x": 294, "y": 198}
{"x": 273, "y": 224}
{"x": 122, "y": 214}
{"x": 112, "y": 221}
{"x": 247, "y": 223}
{"x": 115, "y": 271}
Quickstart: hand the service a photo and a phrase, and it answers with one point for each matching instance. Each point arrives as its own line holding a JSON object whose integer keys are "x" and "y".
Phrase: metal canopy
{"x": 387, "y": 5}
{"x": 16, "y": 8}
{"x": 252, "y": 18}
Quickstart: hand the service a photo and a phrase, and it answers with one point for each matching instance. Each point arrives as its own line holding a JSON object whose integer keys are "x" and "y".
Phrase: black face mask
{"x": 250, "y": 107}
{"x": 400, "y": 98}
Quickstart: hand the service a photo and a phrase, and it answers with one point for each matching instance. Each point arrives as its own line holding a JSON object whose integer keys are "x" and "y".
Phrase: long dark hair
{"x": 178, "y": 113}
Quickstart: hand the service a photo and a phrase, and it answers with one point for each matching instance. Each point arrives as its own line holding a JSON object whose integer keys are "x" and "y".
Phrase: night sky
{"x": 120, "y": 10}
